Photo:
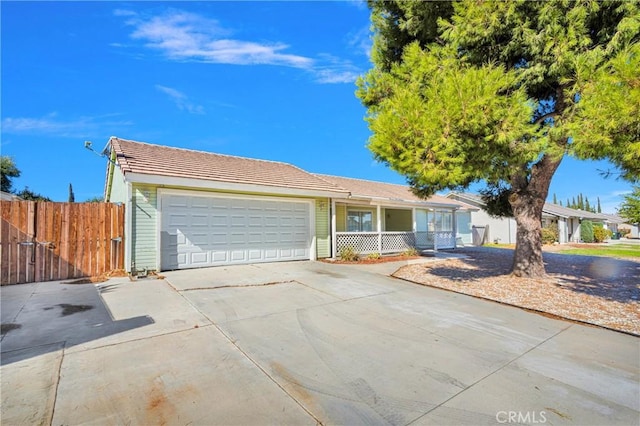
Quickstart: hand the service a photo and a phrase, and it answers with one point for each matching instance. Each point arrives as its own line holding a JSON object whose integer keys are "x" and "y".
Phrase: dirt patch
{"x": 367, "y": 261}
{"x": 5, "y": 328}
{"x": 596, "y": 290}
{"x": 73, "y": 309}
{"x": 98, "y": 279}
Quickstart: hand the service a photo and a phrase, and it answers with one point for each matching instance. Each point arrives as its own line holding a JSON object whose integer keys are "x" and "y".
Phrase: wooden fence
{"x": 43, "y": 241}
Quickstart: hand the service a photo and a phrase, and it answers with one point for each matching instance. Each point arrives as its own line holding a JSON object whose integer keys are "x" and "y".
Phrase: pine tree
{"x": 568, "y": 203}
{"x": 446, "y": 75}
{"x": 599, "y": 210}
{"x": 587, "y": 206}
{"x": 72, "y": 197}
{"x": 560, "y": 202}
{"x": 555, "y": 199}
{"x": 574, "y": 205}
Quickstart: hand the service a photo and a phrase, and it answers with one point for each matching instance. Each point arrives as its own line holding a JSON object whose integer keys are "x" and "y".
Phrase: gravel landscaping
{"x": 595, "y": 290}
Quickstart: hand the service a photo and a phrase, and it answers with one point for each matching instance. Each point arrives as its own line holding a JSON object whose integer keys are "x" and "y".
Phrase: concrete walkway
{"x": 301, "y": 343}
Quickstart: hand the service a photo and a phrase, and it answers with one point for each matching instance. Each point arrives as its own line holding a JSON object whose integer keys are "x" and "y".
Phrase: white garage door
{"x": 199, "y": 231}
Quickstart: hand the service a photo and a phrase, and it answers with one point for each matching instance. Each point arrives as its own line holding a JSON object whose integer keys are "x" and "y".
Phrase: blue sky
{"x": 268, "y": 80}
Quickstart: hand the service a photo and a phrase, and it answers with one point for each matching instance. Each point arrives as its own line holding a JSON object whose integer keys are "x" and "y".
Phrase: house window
{"x": 447, "y": 221}
{"x": 443, "y": 221}
{"x": 359, "y": 221}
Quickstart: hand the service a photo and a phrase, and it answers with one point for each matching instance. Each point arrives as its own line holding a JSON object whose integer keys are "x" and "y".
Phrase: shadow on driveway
{"x": 43, "y": 317}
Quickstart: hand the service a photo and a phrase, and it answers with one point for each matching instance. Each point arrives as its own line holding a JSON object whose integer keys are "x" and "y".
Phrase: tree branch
{"x": 547, "y": 115}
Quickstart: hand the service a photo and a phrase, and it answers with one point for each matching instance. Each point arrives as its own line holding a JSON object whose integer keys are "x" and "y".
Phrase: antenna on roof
{"x": 88, "y": 145}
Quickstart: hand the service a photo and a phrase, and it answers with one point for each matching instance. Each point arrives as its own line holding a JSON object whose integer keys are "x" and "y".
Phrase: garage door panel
{"x": 255, "y": 255}
{"x": 219, "y": 256}
{"x": 201, "y": 231}
{"x": 200, "y": 258}
{"x": 177, "y": 201}
{"x": 271, "y": 254}
{"x": 238, "y": 256}
{"x": 200, "y": 239}
{"x": 239, "y": 221}
{"x": 200, "y": 220}
{"x": 254, "y": 238}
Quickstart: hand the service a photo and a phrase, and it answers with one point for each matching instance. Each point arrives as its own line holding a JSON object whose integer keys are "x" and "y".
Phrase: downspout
{"x": 128, "y": 226}
{"x": 455, "y": 228}
{"x": 435, "y": 233}
{"x": 111, "y": 171}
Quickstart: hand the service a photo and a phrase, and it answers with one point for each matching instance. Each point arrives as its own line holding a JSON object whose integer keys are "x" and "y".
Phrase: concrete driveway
{"x": 301, "y": 343}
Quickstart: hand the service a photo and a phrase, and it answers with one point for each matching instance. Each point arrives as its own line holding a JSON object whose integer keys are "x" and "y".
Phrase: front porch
{"x": 394, "y": 242}
{"x": 376, "y": 229}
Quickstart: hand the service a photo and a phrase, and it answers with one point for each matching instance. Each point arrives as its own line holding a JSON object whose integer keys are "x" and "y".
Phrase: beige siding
{"x": 398, "y": 220}
{"x": 144, "y": 239}
{"x": 341, "y": 218}
{"x": 323, "y": 239}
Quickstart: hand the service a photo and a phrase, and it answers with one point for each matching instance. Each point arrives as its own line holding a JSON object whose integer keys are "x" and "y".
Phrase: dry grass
{"x": 595, "y": 290}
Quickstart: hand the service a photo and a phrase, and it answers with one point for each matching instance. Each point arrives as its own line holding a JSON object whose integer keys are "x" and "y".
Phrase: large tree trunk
{"x": 527, "y": 201}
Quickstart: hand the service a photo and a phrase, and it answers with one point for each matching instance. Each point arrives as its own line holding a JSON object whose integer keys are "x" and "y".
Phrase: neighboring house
{"x": 189, "y": 209}
{"x": 634, "y": 229}
{"x": 7, "y": 196}
{"x": 503, "y": 230}
{"x": 568, "y": 221}
{"x": 620, "y": 223}
{"x": 483, "y": 227}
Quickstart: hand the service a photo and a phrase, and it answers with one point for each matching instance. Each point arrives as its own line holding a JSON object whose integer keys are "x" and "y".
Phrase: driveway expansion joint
{"x": 266, "y": 373}
{"x": 237, "y": 286}
{"x": 496, "y": 370}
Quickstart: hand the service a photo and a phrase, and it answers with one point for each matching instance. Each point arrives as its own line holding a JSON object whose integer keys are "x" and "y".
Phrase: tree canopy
{"x": 8, "y": 171}
{"x": 29, "y": 195}
{"x": 499, "y": 92}
{"x": 630, "y": 207}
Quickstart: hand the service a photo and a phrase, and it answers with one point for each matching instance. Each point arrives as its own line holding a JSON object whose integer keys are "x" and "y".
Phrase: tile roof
{"x": 149, "y": 159}
{"x": 387, "y": 191}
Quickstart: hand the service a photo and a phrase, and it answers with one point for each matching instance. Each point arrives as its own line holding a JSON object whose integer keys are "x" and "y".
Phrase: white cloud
{"x": 51, "y": 125}
{"x": 361, "y": 41}
{"x": 621, "y": 193}
{"x": 359, "y": 4}
{"x": 181, "y": 100}
{"x": 124, "y": 12}
{"x": 185, "y": 36}
{"x": 335, "y": 70}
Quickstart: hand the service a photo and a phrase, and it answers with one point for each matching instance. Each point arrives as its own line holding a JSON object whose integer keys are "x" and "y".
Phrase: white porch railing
{"x": 393, "y": 242}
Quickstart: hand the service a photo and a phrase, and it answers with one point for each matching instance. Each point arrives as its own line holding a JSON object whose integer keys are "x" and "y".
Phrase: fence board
{"x": 49, "y": 230}
{"x": 31, "y": 263}
{"x": 107, "y": 242}
{"x": 5, "y": 213}
{"x": 55, "y": 239}
{"x": 64, "y": 241}
{"x": 13, "y": 244}
{"x": 42, "y": 241}
{"x": 73, "y": 233}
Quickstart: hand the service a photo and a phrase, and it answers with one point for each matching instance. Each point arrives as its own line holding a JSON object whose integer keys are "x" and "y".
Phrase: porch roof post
{"x": 435, "y": 233}
{"x": 454, "y": 221}
{"x": 379, "y": 227}
{"x": 413, "y": 219}
{"x": 334, "y": 242}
